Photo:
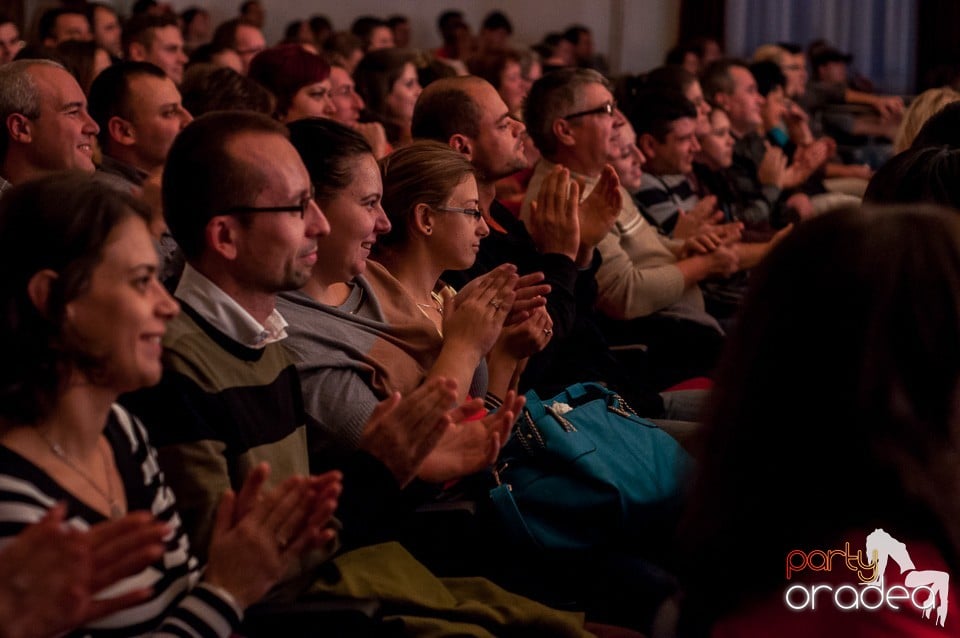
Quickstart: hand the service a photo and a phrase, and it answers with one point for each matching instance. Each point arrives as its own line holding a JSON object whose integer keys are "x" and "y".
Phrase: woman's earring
{"x": 428, "y": 229}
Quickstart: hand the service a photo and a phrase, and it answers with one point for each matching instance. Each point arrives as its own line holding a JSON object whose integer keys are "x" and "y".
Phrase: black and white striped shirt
{"x": 180, "y": 605}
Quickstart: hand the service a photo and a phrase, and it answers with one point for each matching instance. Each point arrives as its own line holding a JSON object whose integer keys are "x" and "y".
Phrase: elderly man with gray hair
{"x": 647, "y": 282}
{"x": 46, "y": 126}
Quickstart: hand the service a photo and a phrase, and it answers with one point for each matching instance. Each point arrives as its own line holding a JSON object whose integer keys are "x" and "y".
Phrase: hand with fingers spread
{"x": 813, "y": 155}
{"x": 706, "y": 242}
{"x": 698, "y": 218}
{"x": 516, "y": 343}
{"x": 525, "y": 339}
{"x": 122, "y": 547}
{"x": 531, "y": 295}
{"x": 326, "y": 487}
{"x": 51, "y": 573}
{"x": 402, "y": 432}
{"x": 554, "y": 223}
{"x": 723, "y": 261}
{"x": 472, "y": 444}
{"x": 728, "y": 233}
{"x": 258, "y": 535}
{"x": 474, "y": 317}
{"x": 705, "y": 210}
{"x": 599, "y": 211}
{"x": 806, "y": 161}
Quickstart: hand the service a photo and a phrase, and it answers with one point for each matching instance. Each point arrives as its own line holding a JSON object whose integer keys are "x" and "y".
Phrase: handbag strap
{"x": 576, "y": 392}
{"x": 579, "y": 393}
{"x": 513, "y": 524}
{"x": 533, "y": 405}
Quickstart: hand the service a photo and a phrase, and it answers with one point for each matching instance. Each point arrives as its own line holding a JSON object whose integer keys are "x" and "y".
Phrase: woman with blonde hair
{"x": 920, "y": 110}
{"x": 430, "y": 196}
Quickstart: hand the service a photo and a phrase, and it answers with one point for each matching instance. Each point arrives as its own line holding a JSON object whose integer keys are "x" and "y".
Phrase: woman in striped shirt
{"x": 82, "y": 322}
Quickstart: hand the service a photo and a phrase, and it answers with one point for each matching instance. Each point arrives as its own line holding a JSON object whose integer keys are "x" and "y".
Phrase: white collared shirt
{"x": 224, "y": 313}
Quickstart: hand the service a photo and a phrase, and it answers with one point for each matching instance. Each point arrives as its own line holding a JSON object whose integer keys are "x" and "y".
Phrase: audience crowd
{"x": 270, "y": 313}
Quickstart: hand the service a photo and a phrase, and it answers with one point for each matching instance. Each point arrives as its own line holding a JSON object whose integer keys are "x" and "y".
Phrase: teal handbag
{"x": 583, "y": 471}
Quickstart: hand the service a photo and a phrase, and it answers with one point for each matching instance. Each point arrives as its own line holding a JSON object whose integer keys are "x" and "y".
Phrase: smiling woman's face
{"x": 356, "y": 219}
{"x": 628, "y": 160}
{"x": 122, "y": 315}
{"x": 403, "y": 96}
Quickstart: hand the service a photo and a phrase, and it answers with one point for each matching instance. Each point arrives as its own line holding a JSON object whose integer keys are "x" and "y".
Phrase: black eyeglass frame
{"x": 607, "y": 108}
{"x": 476, "y": 213}
{"x": 301, "y": 207}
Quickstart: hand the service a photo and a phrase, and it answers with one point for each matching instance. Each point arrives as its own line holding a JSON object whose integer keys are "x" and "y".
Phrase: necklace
{"x": 116, "y": 511}
{"x": 437, "y": 304}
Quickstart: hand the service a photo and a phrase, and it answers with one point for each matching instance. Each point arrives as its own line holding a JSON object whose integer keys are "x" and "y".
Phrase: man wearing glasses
{"x": 572, "y": 118}
{"x": 647, "y": 283}
{"x": 235, "y": 256}
{"x": 469, "y": 115}
{"x": 239, "y": 202}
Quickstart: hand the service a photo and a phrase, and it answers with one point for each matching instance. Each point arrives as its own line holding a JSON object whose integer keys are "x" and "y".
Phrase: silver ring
{"x": 547, "y": 331}
{"x": 496, "y": 303}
